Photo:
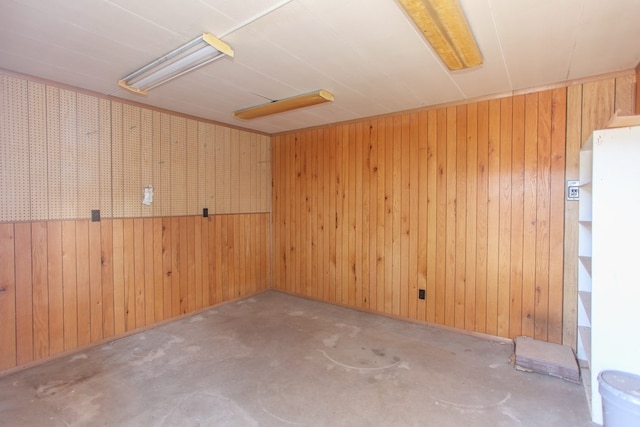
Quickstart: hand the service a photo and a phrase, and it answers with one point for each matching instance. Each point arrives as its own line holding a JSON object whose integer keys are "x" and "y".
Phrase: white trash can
{"x": 620, "y": 393}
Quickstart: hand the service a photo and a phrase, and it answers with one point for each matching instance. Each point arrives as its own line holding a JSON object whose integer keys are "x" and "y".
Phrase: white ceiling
{"x": 366, "y": 52}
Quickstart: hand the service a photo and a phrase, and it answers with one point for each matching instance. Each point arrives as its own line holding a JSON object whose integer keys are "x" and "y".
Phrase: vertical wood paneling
{"x": 572, "y": 172}
{"x": 541, "y": 302}
{"x": 167, "y": 264}
{"x": 517, "y": 215}
{"x": 39, "y": 259}
{"x": 158, "y": 270}
{"x": 405, "y": 196}
{"x": 149, "y": 299}
{"x": 482, "y": 222}
{"x": 70, "y": 287}
{"x": 139, "y": 272}
{"x": 83, "y": 282}
{"x": 118, "y": 276}
{"x": 54, "y": 275}
{"x": 175, "y": 271}
{"x": 67, "y": 282}
{"x": 95, "y": 282}
{"x": 106, "y": 277}
{"x": 373, "y": 214}
{"x": 469, "y": 298}
{"x": 432, "y": 212}
{"x": 23, "y": 289}
{"x": 441, "y": 217}
{"x": 191, "y": 265}
{"x": 465, "y": 202}
{"x": 556, "y": 213}
{"x": 128, "y": 274}
{"x": 505, "y": 219}
{"x": 461, "y": 233}
{"x": 8, "y": 299}
{"x": 493, "y": 218}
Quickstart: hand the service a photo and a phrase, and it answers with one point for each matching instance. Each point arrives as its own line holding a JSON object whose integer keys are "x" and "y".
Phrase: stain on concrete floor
{"x": 277, "y": 360}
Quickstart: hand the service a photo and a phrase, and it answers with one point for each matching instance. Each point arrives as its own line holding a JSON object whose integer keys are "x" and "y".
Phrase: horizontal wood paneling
{"x": 79, "y": 281}
{"x": 449, "y": 190}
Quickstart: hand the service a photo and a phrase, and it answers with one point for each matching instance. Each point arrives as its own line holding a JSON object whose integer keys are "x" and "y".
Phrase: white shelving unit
{"x": 609, "y": 261}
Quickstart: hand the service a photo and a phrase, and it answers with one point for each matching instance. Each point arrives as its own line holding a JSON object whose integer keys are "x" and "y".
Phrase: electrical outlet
{"x": 573, "y": 190}
{"x": 205, "y": 212}
{"x": 422, "y": 293}
{"x": 95, "y": 215}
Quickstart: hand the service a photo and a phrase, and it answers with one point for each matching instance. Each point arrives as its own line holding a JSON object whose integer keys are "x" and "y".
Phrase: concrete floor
{"x": 278, "y": 360}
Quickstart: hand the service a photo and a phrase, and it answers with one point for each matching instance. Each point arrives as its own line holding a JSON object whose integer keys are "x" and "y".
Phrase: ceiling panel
{"x": 366, "y": 52}
{"x": 537, "y": 38}
{"x": 598, "y": 52}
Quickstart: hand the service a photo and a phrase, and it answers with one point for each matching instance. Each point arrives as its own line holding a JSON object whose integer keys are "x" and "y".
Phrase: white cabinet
{"x": 609, "y": 256}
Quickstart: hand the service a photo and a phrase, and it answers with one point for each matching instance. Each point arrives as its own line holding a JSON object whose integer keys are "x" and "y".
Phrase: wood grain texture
{"x": 8, "y": 344}
{"x": 66, "y": 284}
{"x": 467, "y": 204}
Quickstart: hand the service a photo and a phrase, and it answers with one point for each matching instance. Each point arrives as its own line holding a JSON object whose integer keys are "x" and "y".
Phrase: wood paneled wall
{"x": 465, "y": 202}
{"x": 64, "y": 153}
{"x": 66, "y": 284}
{"x": 589, "y": 107}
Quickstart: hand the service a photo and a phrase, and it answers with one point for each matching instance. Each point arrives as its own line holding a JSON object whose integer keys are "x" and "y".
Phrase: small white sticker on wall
{"x": 148, "y": 195}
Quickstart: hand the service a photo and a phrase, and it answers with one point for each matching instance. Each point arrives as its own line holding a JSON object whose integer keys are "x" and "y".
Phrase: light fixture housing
{"x": 188, "y": 57}
{"x": 445, "y": 27}
{"x": 287, "y": 104}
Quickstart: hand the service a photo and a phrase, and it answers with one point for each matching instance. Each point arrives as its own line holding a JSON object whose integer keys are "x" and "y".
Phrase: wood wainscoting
{"x": 66, "y": 284}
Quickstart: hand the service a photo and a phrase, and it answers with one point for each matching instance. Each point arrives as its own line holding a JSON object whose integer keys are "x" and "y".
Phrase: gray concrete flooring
{"x": 277, "y": 360}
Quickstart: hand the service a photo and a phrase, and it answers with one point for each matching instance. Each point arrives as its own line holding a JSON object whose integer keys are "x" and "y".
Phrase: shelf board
{"x": 617, "y": 121}
{"x": 585, "y": 337}
{"x": 587, "y": 186}
{"x": 585, "y": 300}
{"x": 586, "y": 261}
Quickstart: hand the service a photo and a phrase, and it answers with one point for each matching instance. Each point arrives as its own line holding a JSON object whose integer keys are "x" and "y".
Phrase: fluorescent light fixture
{"x": 443, "y": 24}
{"x": 193, "y": 55}
{"x": 274, "y": 107}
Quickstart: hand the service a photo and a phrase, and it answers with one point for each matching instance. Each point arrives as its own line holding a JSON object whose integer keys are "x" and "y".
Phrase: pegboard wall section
{"x": 64, "y": 153}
